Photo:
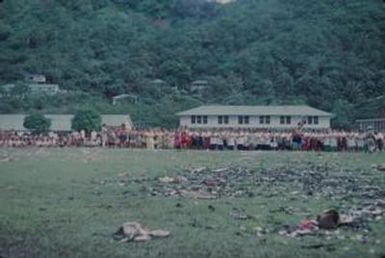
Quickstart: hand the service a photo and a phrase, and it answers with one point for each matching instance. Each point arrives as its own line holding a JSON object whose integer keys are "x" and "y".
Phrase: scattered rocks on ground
{"x": 240, "y": 214}
{"x": 176, "y": 180}
{"x": 309, "y": 182}
{"x": 196, "y": 195}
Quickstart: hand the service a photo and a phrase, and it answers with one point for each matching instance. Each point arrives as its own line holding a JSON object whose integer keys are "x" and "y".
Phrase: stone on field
{"x": 198, "y": 170}
{"x": 169, "y": 180}
{"x": 239, "y": 214}
{"x": 166, "y": 180}
{"x": 219, "y": 170}
{"x": 346, "y": 219}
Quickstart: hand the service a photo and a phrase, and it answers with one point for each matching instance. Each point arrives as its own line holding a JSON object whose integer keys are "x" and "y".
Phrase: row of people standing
{"x": 266, "y": 140}
{"x": 203, "y": 139}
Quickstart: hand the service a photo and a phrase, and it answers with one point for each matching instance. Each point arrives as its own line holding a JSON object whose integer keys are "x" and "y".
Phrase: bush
{"x": 37, "y": 122}
{"x": 87, "y": 120}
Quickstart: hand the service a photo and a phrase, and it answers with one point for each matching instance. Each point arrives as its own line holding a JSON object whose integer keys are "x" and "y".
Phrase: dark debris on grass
{"x": 309, "y": 181}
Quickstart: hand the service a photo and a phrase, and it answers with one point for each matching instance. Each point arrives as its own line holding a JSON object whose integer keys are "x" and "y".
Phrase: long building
{"x": 376, "y": 124}
{"x": 14, "y": 122}
{"x": 275, "y": 117}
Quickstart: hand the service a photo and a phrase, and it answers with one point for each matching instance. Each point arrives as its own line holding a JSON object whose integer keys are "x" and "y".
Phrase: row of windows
{"x": 243, "y": 120}
{"x": 246, "y": 120}
{"x": 312, "y": 120}
{"x": 199, "y": 119}
{"x": 264, "y": 120}
{"x": 285, "y": 120}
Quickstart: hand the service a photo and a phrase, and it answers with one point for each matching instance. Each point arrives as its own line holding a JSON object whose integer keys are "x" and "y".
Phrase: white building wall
{"x": 212, "y": 121}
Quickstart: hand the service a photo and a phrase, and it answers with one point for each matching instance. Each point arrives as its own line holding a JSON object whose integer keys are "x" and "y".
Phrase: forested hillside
{"x": 329, "y": 54}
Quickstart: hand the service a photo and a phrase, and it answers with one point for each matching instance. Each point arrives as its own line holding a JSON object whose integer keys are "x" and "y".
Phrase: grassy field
{"x": 69, "y": 202}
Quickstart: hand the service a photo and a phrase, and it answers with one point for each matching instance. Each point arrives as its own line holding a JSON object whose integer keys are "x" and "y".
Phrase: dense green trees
{"x": 37, "y": 123}
{"x": 328, "y": 54}
{"x": 87, "y": 120}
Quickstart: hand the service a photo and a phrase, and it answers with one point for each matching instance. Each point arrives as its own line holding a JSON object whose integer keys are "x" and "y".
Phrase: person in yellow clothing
{"x": 150, "y": 143}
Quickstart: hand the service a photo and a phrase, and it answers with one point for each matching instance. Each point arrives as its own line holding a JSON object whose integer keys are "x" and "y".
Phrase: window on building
{"x": 315, "y": 120}
{"x": 282, "y": 120}
{"x": 199, "y": 119}
{"x": 288, "y": 120}
{"x": 264, "y": 119}
{"x": 240, "y": 120}
{"x": 220, "y": 119}
{"x": 205, "y": 119}
{"x": 193, "y": 119}
{"x": 226, "y": 119}
{"x": 309, "y": 120}
{"x": 246, "y": 120}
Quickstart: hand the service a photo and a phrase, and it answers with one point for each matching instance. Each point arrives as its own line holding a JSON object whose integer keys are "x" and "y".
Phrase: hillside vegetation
{"x": 328, "y": 54}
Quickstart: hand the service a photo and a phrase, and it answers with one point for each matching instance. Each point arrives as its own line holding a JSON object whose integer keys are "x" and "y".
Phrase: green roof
{"x": 255, "y": 110}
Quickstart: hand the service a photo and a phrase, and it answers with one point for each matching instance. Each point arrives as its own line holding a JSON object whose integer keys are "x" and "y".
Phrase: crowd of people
{"x": 203, "y": 139}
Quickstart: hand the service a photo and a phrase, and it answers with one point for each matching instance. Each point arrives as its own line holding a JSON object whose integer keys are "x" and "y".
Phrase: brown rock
{"x": 328, "y": 220}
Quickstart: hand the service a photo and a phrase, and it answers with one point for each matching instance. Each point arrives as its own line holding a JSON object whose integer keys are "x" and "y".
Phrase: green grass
{"x": 68, "y": 202}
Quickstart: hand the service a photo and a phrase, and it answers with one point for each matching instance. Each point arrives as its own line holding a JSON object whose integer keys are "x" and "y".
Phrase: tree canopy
{"x": 87, "y": 120}
{"x": 37, "y": 123}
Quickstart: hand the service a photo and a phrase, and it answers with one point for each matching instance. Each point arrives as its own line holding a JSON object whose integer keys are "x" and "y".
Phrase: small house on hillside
{"x": 125, "y": 97}
{"x": 199, "y": 86}
{"x": 274, "y": 117}
{"x": 36, "y": 78}
{"x": 37, "y": 85}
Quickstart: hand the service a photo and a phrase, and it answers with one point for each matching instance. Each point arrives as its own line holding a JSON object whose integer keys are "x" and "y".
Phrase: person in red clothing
{"x": 306, "y": 142}
{"x": 185, "y": 139}
{"x": 177, "y": 139}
